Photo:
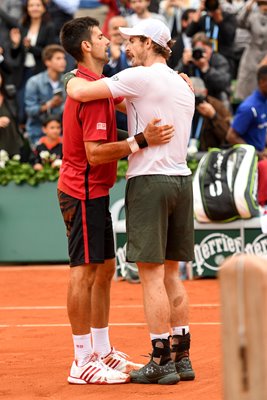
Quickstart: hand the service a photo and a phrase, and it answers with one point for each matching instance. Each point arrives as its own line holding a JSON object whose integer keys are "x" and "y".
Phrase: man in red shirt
{"x": 88, "y": 171}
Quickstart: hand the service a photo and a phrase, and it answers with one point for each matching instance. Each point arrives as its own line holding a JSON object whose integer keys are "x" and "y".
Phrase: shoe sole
{"x": 170, "y": 379}
{"x": 77, "y": 381}
{"x": 186, "y": 376}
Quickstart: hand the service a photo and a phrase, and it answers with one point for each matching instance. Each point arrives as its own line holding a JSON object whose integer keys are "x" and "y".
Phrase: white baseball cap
{"x": 150, "y": 28}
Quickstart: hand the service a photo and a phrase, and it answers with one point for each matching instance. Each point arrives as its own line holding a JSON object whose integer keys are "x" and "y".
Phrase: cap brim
{"x": 128, "y": 32}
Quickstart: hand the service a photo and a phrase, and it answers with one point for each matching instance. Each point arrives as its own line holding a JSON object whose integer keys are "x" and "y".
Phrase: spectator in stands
{"x": 242, "y": 36}
{"x": 218, "y": 25}
{"x": 35, "y": 33}
{"x": 44, "y": 93}
{"x": 250, "y": 121}
{"x": 115, "y": 7}
{"x": 10, "y": 13}
{"x": 256, "y": 23}
{"x": 50, "y": 143}
{"x": 182, "y": 41}
{"x": 61, "y": 11}
{"x": 5, "y": 65}
{"x": 141, "y": 12}
{"x": 212, "y": 67}
{"x": 13, "y": 8}
{"x": 173, "y": 10}
{"x": 10, "y": 137}
{"x": 118, "y": 59}
{"x": 211, "y": 119}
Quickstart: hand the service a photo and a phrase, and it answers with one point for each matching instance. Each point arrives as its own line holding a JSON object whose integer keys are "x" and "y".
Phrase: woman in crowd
{"x": 36, "y": 32}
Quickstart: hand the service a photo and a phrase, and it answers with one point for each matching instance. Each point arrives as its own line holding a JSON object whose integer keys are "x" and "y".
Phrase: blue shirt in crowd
{"x": 38, "y": 91}
{"x": 250, "y": 120}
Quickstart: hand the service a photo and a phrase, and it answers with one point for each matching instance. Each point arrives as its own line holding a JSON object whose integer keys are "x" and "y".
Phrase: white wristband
{"x": 133, "y": 144}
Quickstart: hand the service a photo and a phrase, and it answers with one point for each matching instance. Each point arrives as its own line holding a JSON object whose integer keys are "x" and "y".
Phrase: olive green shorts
{"x": 159, "y": 218}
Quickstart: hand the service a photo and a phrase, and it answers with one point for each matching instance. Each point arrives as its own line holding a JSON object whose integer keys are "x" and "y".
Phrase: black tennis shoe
{"x": 185, "y": 370}
{"x": 153, "y": 373}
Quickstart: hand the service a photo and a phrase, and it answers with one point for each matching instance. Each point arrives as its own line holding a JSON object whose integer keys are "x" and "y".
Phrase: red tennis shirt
{"x": 87, "y": 122}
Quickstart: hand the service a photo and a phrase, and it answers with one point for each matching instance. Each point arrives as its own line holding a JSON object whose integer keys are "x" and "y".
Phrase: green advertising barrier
{"x": 213, "y": 242}
{"x": 32, "y": 230}
{"x": 31, "y": 225}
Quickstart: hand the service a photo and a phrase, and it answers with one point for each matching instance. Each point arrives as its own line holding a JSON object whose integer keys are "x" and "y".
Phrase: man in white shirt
{"x": 159, "y": 203}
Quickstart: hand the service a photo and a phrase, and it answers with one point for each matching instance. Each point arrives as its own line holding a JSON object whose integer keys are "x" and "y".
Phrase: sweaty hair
{"x": 163, "y": 51}
{"x": 74, "y": 32}
{"x": 262, "y": 73}
{"x": 50, "y": 50}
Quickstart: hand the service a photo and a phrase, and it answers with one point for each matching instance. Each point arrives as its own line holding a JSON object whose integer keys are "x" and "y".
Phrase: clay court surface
{"x": 36, "y": 346}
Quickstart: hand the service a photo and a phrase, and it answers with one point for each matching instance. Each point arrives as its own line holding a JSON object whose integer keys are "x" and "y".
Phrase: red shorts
{"x": 89, "y": 229}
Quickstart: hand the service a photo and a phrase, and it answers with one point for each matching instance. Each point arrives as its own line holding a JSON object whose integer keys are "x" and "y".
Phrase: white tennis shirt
{"x": 156, "y": 92}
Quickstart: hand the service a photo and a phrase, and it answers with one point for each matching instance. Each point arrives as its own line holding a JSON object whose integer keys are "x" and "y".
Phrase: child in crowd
{"x": 51, "y": 142}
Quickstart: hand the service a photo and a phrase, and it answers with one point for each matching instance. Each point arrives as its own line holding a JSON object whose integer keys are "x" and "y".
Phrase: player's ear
{"x": 86, "y": 46}
{"x": 148, "y": 42}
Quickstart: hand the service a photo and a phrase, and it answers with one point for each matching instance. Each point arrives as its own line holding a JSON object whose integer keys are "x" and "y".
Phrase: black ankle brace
{"x": 181, "y": 346}
{"x": 162, "y": 351}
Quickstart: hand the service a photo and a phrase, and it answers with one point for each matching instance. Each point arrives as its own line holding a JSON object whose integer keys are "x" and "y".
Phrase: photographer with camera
{"x": 211, "y": 120}
{"x": 208, "y": 65}
{"x": 44, "y": 94}
{"x": 218, "y": 25}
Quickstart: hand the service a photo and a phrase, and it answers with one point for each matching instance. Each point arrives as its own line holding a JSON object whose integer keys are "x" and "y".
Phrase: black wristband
{"x": 141, "y": 140}
{"x": 67, "y": 77}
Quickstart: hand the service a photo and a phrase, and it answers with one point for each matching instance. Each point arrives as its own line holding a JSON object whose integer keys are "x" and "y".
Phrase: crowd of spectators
{"x": 221, "y": 44}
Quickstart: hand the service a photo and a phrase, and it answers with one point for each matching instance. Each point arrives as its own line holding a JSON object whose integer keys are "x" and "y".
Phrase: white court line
{"x": 118, "y": 306}
{"x": 35, "y": 268}
{"x": 112, "y": 324}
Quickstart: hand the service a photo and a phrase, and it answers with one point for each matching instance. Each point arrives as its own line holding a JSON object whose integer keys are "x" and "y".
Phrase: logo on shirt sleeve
{"x": 114, "y": 78}
{"x": 101, "y": 126}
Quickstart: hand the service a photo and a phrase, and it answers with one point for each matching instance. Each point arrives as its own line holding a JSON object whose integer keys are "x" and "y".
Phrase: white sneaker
{"x": 118, "y": 361}
{"x": 95, "y": 372}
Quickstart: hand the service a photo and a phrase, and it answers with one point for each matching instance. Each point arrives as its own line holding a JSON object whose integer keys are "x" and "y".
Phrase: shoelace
{"x": 120, "y": 353}
{"x": 94, "y": 357}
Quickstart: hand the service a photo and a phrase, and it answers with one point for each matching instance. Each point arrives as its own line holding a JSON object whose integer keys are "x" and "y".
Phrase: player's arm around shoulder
{"x": 82, "y": 90}
{"x": 101, "y": 153}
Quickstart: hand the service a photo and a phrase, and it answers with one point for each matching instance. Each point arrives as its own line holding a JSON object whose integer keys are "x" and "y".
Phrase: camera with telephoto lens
{"x": 199, "y": 98}
{"x": 211, "y": 5}
{"x": 197, "y": 53}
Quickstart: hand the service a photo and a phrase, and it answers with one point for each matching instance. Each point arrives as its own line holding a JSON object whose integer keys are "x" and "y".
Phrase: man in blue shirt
{"x": 250, "y": 122}
{"x": 44, "y": 92}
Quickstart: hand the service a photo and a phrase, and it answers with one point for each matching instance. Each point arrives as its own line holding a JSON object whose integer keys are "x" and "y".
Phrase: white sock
{"x": 101, "y": 343}
{"x": 82, "y": 348}
{"x": 154, "y": 336}
{"x": 180, "y": 330}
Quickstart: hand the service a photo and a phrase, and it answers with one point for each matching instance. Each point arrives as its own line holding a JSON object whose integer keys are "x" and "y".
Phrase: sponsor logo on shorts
{"x": 101, "y": 126}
